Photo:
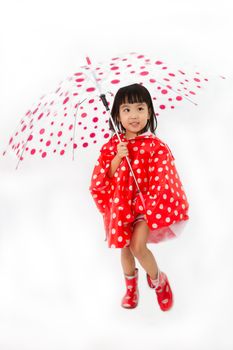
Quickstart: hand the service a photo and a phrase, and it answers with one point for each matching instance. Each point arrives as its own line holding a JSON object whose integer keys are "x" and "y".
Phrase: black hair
{"x": 134, "y": 93}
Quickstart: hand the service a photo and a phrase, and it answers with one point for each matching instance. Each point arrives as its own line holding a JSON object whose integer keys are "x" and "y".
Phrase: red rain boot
{"x": 163, "y": 290}
{"x": 130, "y": 299}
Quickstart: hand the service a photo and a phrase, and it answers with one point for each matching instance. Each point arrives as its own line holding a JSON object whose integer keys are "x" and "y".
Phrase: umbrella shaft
{"x": 104, "y": 100}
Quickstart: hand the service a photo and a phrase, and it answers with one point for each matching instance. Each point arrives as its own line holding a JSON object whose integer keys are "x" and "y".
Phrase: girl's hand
{"x": 122, "y": 150}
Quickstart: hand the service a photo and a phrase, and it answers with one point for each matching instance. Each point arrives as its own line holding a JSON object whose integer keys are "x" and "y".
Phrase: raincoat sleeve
{"x": 159, "y": 163}
{"x": 101, "y": 183}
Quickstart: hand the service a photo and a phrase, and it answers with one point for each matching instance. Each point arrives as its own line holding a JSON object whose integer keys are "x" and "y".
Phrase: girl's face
{"x": 133, "y": 117}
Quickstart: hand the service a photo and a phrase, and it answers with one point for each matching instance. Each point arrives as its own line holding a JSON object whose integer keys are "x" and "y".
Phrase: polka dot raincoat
{"x": 166, "y": 205}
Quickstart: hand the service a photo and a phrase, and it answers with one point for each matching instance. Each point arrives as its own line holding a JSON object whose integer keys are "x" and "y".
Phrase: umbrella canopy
{"x": 73, "y": 116}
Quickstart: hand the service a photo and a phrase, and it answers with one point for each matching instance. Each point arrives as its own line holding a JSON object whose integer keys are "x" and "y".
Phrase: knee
{"x": 138, "y": 250}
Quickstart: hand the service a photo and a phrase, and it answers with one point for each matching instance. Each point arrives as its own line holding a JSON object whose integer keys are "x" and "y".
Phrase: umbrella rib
{"x": 179, "y": 93}
{"x": 43, "y": 109}
{"x": 18, "y": 126}
{"x": 75, "y": 119}
{"x": 23, "y": 151}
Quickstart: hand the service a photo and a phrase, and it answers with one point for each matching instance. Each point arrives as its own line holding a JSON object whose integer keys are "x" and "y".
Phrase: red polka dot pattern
{"x": 74, "y": 113}
{"x": 166, "y": 205}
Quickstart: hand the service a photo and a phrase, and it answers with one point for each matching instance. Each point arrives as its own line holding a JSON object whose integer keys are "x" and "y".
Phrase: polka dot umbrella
{"x": 76, "y": 114}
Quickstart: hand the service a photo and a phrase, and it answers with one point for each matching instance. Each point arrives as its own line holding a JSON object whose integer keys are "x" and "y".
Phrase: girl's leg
{"x": 139, "y": 249}
{"x": 127, "y": 261}
{"x": 147, "y": 261}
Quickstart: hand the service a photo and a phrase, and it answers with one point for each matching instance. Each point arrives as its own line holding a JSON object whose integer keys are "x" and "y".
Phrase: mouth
{"x": 135, "y": 124}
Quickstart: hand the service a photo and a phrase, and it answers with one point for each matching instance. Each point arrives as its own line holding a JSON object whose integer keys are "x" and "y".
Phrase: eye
{"x": 126, "y": 109}
{"x": 141, "y": 108}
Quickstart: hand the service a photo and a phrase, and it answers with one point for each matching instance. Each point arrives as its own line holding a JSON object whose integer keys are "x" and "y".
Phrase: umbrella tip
{"x": 88, "y": 60}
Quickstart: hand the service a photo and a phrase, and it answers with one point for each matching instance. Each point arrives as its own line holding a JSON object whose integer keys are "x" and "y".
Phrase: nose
{"x": 134, "y": 117}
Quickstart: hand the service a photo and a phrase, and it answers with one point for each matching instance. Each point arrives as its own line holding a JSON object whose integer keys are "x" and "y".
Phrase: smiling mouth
{"x": 134, "y": 124}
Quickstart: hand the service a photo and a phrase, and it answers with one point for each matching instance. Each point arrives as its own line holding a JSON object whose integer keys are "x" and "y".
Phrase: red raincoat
{"x": 166, "y": 206}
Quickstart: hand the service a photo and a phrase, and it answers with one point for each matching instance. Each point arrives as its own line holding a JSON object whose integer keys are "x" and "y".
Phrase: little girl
{"x": 129, "y": 223}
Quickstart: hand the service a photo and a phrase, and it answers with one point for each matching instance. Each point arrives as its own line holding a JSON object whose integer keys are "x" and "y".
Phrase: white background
{"x": 60, "y": 285}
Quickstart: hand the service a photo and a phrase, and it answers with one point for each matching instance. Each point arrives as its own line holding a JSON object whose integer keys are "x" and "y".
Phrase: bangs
{"x": 131, "y": 97}
{"x": 133, "y": 94}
